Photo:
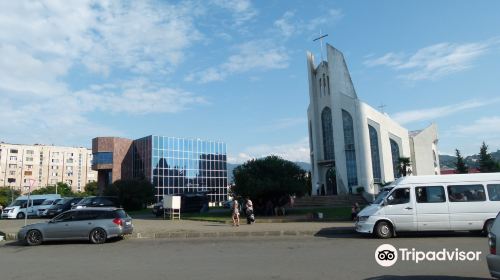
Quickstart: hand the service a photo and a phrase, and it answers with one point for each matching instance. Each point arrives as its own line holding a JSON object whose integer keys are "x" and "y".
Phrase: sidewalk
{"x": 159, "y": 228}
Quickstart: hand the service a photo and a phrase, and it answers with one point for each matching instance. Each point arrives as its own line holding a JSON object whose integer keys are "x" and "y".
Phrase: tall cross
{"x": 382, "y": 106}
{"x": 320, "y": 38}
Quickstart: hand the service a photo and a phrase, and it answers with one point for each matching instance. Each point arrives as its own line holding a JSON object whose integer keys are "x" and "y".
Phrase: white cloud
{"x": 242, "y": 10}
{"x": 258, "y": 55}
{"x": 439, "y": 112}
{"x": 289, "y": 25}
{"x": 137, "y": 97}
{"x": 485, "y": 127}
{"x": 435, "y": 61}
{"x": 298, "y": 151}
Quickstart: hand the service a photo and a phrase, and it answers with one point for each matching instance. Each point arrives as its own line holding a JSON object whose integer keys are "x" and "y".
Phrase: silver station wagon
{"x": 93, "y": 224}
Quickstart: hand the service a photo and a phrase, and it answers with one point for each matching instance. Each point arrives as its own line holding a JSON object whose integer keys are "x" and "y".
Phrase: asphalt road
{"x": 343, "y": 257}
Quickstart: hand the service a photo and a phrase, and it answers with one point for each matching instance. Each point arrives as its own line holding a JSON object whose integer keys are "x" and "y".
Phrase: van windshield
{"x": 63, "y": 201}
{"x": 49, "y": 201}
{"x": 381, "y": 195}
{"x": 17, "y": 203}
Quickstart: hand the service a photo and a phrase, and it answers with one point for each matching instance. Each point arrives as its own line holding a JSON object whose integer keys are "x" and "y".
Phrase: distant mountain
{"x": 446, "y": 161}
{"x": 231, "y": 166}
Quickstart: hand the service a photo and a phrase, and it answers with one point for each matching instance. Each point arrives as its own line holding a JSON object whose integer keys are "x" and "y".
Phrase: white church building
{"x": 353, "y": 145}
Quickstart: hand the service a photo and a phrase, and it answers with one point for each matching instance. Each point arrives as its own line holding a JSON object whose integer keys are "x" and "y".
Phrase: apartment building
{"x": 44, "y": 165}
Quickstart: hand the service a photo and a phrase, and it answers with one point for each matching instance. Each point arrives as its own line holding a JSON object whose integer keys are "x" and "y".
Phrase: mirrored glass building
{"x": 173, "y": 165}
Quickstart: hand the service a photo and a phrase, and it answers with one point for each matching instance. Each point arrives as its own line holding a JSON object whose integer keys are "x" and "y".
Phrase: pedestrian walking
{"x": 355, "y": 210}
{"x": 249, "y": 211}
{"x": 236, "y": 213}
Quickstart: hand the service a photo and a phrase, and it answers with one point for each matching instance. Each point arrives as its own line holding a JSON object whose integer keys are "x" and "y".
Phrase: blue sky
{"x": 236, "y": 70}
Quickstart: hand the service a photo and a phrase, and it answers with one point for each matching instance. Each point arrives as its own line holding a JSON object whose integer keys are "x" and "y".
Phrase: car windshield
{"x": 18, "y": 203}
{"x": 63, "y": 201}
{"x": 48, "y": 202}
{"x": 87, "y": 200}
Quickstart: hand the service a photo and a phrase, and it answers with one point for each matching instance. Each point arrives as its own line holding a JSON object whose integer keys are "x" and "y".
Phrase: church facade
{"x": 353, "y": 145}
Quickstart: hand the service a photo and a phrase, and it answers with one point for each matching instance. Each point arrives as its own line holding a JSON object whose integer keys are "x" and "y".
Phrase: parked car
{"x": 493, "y": 259}
{"x": 21, "y": 207}
{"x": 97, "y": 201}
{"x": 61, "y": 206}
{"x": 44, "y": 207}
{"x": 91, "y": 223}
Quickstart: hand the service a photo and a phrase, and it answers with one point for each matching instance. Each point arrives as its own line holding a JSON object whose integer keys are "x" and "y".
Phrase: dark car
{"x": 97, "y": 201}
{"x": 93, "y": 224}
{"x": 62, "y": 205}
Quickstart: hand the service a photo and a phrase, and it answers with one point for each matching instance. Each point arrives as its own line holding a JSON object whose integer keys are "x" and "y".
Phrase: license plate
{"x": 128, "y": 223}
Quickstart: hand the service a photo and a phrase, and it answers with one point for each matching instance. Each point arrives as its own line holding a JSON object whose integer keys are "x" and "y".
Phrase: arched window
{"x": 375, "y": 154}
{"x": 350, "y": 151}
{"x": 395, "y": 158}
{"x": 327, "y": 128}
{"x": 320, "y": 88}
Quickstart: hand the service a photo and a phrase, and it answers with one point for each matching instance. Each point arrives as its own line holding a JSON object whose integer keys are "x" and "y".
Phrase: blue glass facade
{"x": 178, "y": 165}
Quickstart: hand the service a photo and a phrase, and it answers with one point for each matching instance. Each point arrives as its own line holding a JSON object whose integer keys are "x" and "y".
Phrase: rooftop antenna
{"x": 320, "y": 38}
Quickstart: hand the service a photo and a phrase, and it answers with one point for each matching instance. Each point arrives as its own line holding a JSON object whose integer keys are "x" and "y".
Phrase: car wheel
{"x": 487, "y": 227}
{"x": 33, "y": 237}
{"x": 383, "y": 229}
{"x": 20, "y": 215}
{"x": 98, "y": 236}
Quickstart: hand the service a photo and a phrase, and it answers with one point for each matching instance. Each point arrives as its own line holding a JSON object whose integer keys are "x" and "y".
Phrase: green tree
{"x": 404, "y": 166}
{"x": 486, "y": 162}
{"x": 460, "y": 167}
{"x": 6, "y": 195}
{"x": 132, "y": 194}
{"x": 270, "y": 178}
{"x": 62, "y": 188}
{"x": 92, "y": 188}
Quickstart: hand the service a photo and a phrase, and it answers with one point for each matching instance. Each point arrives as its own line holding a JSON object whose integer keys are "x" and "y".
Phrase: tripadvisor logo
{"x": 387, "y": 255}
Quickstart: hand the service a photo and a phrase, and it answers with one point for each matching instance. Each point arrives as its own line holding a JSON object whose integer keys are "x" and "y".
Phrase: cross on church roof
{"x": 320, "y": 38}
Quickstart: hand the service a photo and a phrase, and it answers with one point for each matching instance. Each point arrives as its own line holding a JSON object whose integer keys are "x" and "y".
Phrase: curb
{"x": 332, "y": 232}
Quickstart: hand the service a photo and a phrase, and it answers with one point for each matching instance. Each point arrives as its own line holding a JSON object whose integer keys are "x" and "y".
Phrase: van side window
{"x": 430, "y": 194}
{"x": 494, "y": 192}
{"x": 466, "y": 193}
{"x": 399, "y": 196}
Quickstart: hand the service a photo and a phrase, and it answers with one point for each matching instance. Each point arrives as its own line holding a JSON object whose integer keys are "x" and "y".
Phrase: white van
{"x": 19, "y": 208}
{"x": 433, "y": 203}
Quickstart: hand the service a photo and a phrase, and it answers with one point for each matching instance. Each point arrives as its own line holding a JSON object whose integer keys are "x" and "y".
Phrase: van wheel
{"x": 20, "y": 215}
{"x": 33, "y": 237}
{"x": 383, "y": 230}
{"x": 487, "y": 227}
{"x": 98, "y": 236}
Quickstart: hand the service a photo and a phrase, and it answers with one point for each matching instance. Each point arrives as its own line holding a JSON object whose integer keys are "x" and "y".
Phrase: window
{"x": 12, "y": 172}
{"x": 29, "y": 159}
{"x": 55, "y": 161}
{"x": 350, "y": 151}
{"x": 395, "y": 158}
{"x": 29, "y": 166}
{"x": 494, "y": 192}
{"x": 12, "y": 165}
{"x": 399, "y": 196}
{"x": 102, "y": 158}
{"x": 29, "y": 152}
{"x": 13, "y": 151}
{"x": 430, "y": 194}
{"x": 375, "y": 154}
{"x": 327, "y": 126}
{"x": 466, "y": 193}
{"x": 13, "y": 158}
